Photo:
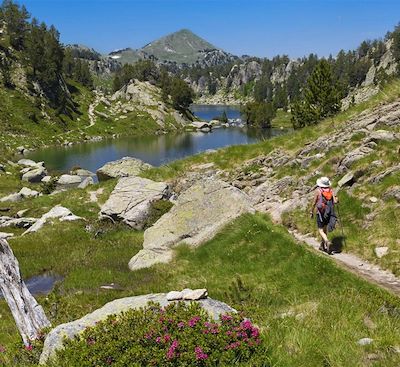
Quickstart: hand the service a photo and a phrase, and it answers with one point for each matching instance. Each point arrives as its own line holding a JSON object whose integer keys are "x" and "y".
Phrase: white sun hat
{"x": 323, "y": 182}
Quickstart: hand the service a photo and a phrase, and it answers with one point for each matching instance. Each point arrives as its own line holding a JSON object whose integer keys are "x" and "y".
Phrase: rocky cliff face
{"x": 143, "y": 97}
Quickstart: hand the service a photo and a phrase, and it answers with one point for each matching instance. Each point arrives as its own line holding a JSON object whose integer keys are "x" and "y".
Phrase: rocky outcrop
{"x": 58, "y": 212}
{"x": 54, "y": 340}
{"x": 199, "y": 213}
{"x": 124, "y": 167}
{"x": 131, "y": 199}
{"x": 144, "y": 97}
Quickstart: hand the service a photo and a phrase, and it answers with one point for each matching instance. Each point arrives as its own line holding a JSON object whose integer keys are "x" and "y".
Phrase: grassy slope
{"x": 361, "y": 237}
{"x": 329, "y": 309}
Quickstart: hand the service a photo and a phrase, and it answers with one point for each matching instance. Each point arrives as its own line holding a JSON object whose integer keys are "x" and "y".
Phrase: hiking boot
{"x": 322, "y": 246}
{"x": 329, "y": 248}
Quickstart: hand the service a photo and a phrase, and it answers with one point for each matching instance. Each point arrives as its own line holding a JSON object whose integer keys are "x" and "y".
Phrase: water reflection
{"x": 156, "y": 150}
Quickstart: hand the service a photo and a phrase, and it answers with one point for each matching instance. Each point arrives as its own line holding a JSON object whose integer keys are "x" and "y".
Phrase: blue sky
{"x": 254, "y": 27}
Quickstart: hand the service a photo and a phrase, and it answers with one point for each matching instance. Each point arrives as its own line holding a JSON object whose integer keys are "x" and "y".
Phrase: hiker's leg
{"x": 328, "y": 244}
{"x": 322, "y": 232}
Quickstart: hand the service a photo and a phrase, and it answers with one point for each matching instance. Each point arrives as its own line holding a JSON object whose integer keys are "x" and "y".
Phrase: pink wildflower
{"x": 158, "y": 339}
{"x": 167, "y": 338}
{"x": 172, "y": 349}
{"x": 255, "y": 333}
{"x": 200, "y": 355}
{"x": 2, "y": 349}
{"x": 246, "y": 325}
{"x": 193, "y": 321}
{"x": 181, "y": 324}
{"x": 28, "y": 347}
{"x": 226, "y": 317}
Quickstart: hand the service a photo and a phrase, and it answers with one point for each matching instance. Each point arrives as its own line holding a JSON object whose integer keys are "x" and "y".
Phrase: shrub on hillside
{"x": 177, "y": 335}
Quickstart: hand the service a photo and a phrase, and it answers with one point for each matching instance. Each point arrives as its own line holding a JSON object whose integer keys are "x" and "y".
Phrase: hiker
{"x": 324, "y": 207}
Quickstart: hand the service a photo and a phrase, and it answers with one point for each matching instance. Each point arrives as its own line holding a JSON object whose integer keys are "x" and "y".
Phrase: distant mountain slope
{"x": 182, "y": 47}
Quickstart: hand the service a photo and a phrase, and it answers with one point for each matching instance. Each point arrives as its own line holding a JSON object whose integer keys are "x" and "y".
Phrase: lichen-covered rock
{"x": 199, "y": 213}
{"x": 124, "y": 167}
{"x": 54, "y": 340}
{"x": 131, "y": 199}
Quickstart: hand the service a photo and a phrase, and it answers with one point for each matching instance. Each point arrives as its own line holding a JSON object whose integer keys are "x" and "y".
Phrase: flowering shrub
{"x": 178, "y": 335}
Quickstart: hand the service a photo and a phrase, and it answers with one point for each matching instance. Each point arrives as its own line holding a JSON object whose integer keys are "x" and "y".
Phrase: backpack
{"x": 325, "y": 200}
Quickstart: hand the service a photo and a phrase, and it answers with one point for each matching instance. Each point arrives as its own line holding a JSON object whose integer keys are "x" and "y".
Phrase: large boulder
{"x": 131, "y": 199}
{"x": 199, "y": 213}
{"x": 66, "y": 182}
{"x": 54, "y": 340}
{"x": 124, "y": 167}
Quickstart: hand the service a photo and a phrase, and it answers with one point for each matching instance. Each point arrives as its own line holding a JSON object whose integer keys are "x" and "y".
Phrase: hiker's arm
{"x": 335, "y": 198}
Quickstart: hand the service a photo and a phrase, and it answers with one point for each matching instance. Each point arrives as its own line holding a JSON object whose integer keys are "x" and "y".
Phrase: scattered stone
{"x": 381, "y": 251}
{"x": 63, "y": 214}
{"x": 27, "y": 163}
{"x": 26, "y": 192}
{"x": 346, "y": 180}
{"x": 124, "y": 167}
{"x": 365, "y": 341}
{"x": 194, "y": 295}
{"x": 373, "y": 199}
{"x": 12, "y": 198}
{"x": 55, "y": 338}
{"x": 69, "y": 181}
{"x": 46, "y": 179}
{"x": 21, "y": 213}
{"x": 131, "y": 199}
{"x": 86, "y": 182}
{"x": 17, "y": 222}
{"x": 199, "y": 213}
{"x": 34, "y": 175}
{"x": 83, "y": 173}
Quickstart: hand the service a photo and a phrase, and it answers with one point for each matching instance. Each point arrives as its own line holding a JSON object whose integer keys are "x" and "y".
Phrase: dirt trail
{"x": 92, "y": 107}
{"x": 363, "y": 268}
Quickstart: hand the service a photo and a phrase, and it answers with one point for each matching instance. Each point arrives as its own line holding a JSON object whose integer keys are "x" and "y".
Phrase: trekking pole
{"x": 341, "y": 224}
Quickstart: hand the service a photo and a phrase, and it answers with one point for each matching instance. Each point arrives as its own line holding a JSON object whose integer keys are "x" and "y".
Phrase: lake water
{"x": 210, "y": 112}
{"x": 156, "y": 150}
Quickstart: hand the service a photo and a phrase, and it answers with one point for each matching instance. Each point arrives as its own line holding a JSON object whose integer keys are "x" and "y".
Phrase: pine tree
{"x": 320, "y": 97}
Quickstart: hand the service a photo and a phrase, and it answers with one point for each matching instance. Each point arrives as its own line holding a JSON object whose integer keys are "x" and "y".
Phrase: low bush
{"x": 177, "y": 335}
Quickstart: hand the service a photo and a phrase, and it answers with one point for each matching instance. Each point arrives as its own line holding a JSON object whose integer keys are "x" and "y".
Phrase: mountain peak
{"x": 182, "y": 46}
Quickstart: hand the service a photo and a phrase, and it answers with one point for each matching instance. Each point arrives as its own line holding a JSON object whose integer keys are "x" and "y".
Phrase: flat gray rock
{"x": 131, "y": 199}
{"x": 124, "y": 167}
{"x": 199, "y": 213}
{"x": 54, "y": 340}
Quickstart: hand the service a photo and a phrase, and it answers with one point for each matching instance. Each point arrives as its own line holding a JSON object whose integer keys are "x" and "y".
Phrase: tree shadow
{"x": 337, "y": 244}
